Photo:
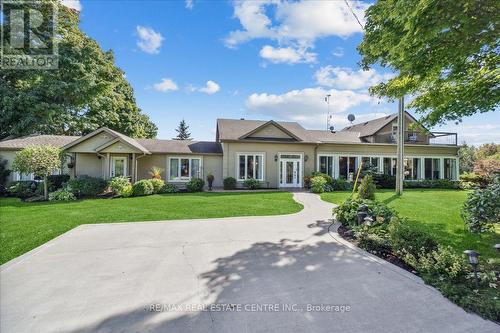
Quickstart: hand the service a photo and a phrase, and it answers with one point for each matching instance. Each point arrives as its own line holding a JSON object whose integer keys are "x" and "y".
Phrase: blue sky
{"x": 203, "y": 60}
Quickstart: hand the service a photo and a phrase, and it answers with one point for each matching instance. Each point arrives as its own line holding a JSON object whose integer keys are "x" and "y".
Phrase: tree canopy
{"x": 182, "y": 131}
{"x": 445, "y": 53}
{"x": 85, "y": 92}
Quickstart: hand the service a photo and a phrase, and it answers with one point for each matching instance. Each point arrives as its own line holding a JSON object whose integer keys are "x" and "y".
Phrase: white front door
{"x": 118, "y": 166}
{"x": 290, "y": 172}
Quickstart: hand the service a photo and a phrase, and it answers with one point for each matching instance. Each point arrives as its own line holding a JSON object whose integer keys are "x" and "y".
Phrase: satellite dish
{"x": 351, "y": 117}
{"x": 332, "y": 129}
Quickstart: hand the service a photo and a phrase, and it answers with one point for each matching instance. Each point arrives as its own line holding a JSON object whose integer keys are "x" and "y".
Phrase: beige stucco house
{"x": 279, "y": 154}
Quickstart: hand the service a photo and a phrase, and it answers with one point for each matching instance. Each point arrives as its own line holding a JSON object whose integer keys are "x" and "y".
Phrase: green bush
{"x": 347, "y": 212}
{"x": 142, "y": 187}
{"x": 85, "y": 186}
{"x": 409, "y": 242}
{"x": 470, "y": 180}
{"x": 382, "y": 180}
{"x": 251, "y": 184}
{"x": 24, "y": 189}
{"x": 229, "y": 183}
{"x": 120, "y": 186}
{"x": 195, "y": 185}
{"x": 56, "y": 182}
{"x": 366, "y": 189}
{"x": 61, "y": 195}
{"x": 169, "y": 188}
{"x": 435, "y": 183}
{"x": 442, "y": 262}
{"x": 158, "y": 184}
{"x": 4, "y": 172}
{"x": 328, "y": 178}
{"x": 318, "y": 184}
{"x": 341, "y": 184}
{"x": 481, "y": 210}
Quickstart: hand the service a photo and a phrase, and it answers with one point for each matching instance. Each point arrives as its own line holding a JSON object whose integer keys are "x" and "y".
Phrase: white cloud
{"x": 287, "y": 55}
{"x": 338, "y": 52}
{"x": 165, "y": 85}
{"x": 149, "y": 40}
{"x": 189, "y": 4}
{"x": 298, "y": 22}
{"x": 210, "y": 88}
{"x": 346, "y": 78}
{"x": 307, "y": 105}
{"x": 73, "y": 4}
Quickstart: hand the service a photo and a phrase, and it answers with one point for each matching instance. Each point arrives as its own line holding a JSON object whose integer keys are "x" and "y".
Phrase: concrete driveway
{"x": 257, "y": 274}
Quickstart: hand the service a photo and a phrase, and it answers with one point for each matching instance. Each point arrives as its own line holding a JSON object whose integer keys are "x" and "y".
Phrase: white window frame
{"x": 301, "y": 166}
{"x": 334, "y": 163}
{"x": 125, "y": 164}
{"x": 179, "y": 158}
{"x": 246, "y": 154}
{"x": 17, "y": 177}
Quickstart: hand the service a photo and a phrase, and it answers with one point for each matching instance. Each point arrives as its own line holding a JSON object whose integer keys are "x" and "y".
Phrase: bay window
{"x": 250, "y": 166}
{"x": 184, "y": 168}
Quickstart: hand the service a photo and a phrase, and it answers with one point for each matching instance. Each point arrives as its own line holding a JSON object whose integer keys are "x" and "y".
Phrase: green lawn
{"x": 437, "y": 212}
{"x": 24, "y": 226}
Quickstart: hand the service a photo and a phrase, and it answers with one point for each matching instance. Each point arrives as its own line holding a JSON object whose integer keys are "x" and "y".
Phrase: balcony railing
{"x": 422, "y": 138}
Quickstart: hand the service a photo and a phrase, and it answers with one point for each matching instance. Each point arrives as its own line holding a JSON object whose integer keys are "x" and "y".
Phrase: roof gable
{"x": 101, "y": 139}
{"x": 271, "y": 131}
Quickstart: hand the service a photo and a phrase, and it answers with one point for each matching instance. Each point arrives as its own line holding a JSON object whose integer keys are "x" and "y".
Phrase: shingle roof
{"x": 43, "y": 140}
{"x": 372, "y": 126}
{"x": 181, "y": 146}
{"x": 234, "y": 129}
{"x": 336, "y": 137}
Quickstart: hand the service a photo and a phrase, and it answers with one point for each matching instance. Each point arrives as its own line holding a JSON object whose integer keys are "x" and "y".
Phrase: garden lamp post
{"x": 473, "y": 261}
{"x": 497, "y": 246}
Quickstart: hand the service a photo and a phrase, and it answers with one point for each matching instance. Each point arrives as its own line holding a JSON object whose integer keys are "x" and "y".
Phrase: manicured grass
{"x": 437, "y": 212}
{"x": 24, "y": 226}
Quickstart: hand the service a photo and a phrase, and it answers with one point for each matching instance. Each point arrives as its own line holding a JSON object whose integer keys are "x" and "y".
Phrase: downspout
{"x": 102, "y": 156}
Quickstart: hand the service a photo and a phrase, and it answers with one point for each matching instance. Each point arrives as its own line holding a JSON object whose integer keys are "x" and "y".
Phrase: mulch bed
{"x": 348, "y": 235}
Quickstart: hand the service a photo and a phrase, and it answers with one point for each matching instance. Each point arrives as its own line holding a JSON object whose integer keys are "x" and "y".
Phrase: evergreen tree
{"x": 182, "y": 131}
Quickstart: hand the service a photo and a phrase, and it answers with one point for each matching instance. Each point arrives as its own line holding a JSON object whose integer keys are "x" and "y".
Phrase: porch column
{"x": 441, "y": 168}
{"x": 422, "y": 168}
{"x": 108, "y": 166}
{"x": 132, "y": 168}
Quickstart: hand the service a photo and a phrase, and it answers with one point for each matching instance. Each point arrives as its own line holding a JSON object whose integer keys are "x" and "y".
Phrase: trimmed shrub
{"x": 61, "y": 195}
{"x": 410, "y": 242}
{"x": 142, "y": 187}
{"x": 481, "y": 210}
{"x": 341, "y": 184}
{"x": 470, "y": 180}
{"x": 120, "y": 186}
{"x": 56, "y": 182}
{"x": 318, "y": 184}
{"x": 85, "y": 186}
{"x": 347, "y": 212}
{"x": 307, "y": 182}
{"x": 229, "y": 183}
{"x": 384, "y": 181}
{"x": 435, "y": 183}
{"x": 195, "y": 185}
{"x": 251, "y": 184}
{"x": 443, "y": 262}
{"x": 169, "y": 188}
{"x": 157, "y": 184}
{"x": 24, "y": 189}
{"x": 328, "y": 178}
{"x": 366, "y": 189}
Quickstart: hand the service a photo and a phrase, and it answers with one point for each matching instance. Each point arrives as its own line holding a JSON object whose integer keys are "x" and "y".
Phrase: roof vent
{"x": 242, "y": 118}
{"x": 365, "y": 124}
{"x": 388, "y": 117}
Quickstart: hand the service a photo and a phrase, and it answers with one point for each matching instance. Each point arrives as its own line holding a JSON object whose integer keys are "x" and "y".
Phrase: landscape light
{"x": 473, "y": 261}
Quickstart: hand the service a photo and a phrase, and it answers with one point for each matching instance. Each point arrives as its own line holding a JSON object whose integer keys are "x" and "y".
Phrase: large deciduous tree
{"x": 85, "y": 92}
{"x": 445, "y": 53}
{"x": 41, "y": 161}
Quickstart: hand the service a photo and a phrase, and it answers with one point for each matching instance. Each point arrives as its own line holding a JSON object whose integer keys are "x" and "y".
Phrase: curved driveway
{"x": 245, "y": 274}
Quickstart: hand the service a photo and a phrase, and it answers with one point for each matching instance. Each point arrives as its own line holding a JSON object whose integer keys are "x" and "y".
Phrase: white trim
{"x": 180, "y": 157}
{"x": 113, "y": 161}
{"x": 246, "y": 154}
{"x": 17, "y": 176}
{"x": 301, "y": 166}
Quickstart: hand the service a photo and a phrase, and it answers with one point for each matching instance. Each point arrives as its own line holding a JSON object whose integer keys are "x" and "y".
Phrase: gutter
{"x": 135, "y": 166}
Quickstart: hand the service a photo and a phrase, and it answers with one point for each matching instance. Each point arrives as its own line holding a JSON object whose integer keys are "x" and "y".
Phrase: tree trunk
{"x": 45, "y": 188}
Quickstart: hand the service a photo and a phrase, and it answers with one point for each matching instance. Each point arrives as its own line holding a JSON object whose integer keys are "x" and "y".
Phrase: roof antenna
{"x": 328, "y": 115}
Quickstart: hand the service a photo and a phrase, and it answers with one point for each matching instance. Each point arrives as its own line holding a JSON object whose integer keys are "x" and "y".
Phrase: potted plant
{"x": 210, "y": 180}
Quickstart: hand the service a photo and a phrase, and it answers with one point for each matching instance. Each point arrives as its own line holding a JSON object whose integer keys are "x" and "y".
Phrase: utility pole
{"x": 328, "y": 117}
{"x": 400, "y": 147}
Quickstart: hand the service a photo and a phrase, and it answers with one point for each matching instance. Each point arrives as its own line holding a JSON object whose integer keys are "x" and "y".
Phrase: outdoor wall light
{"x": 306, "y": 158}
{"x": 276, "y": 158}
{"x": 473, "y": 261}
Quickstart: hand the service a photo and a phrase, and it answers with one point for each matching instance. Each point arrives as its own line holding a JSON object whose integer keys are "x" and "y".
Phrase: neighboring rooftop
{"x": 181, "y": 146}
{"x": 35, "y": 139}
{"x": 370, "y": 127}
